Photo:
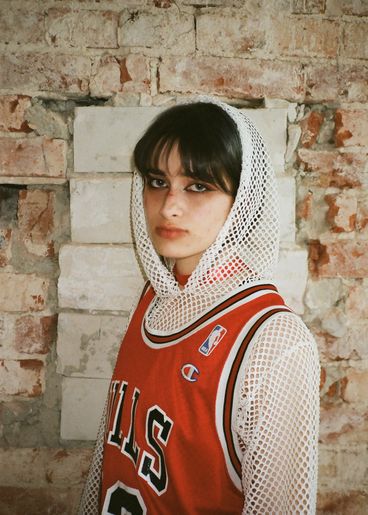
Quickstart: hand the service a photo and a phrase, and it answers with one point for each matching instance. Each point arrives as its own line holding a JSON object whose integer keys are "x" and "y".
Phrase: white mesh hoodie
{"x": 278, "y": 406}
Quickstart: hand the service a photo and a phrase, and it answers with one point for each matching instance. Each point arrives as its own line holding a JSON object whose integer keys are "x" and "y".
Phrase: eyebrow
{"x": 157, "y": 171}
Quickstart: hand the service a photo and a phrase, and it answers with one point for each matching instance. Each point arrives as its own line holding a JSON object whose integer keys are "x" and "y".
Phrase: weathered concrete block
{"x": 109, "y": 202}
{"x": 98, "y": 277}
{"x": 272, "y": 124}
{"x": 286, "y": 188}
{"x": 81, "y": 407}
{"x": 87, "y": 345}
{"x": 104, "y": 137}
{"x": 291, "y": 277}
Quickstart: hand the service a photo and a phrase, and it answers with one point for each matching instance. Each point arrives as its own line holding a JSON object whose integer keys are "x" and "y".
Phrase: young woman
{"x": 213, "y": 406}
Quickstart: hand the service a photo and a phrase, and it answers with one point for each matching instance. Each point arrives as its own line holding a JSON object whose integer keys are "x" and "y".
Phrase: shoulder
{"x": 283, "y": 349}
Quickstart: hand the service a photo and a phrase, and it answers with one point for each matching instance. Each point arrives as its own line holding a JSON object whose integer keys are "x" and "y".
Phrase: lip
{"x": 170, "y": 233}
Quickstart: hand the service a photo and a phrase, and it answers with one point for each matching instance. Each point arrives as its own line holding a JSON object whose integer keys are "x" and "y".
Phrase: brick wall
{"x": 78, "y": 82}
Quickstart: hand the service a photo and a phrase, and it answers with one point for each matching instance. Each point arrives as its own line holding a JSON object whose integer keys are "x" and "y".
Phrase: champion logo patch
{"x": 212, "y": 340}
{"x": 190, "y": 372}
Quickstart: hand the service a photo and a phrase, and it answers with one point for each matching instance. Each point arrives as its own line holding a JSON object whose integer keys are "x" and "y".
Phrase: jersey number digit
{"x": 121, "y": 499}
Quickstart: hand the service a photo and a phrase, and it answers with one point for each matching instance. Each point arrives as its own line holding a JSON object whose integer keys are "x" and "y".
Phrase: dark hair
{"x": 208, "y": 142}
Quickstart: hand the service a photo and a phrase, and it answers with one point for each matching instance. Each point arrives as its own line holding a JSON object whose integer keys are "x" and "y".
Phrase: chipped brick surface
{"x": 34, "y": 335}
{"x": 21, "y": 377}
{"x": 351, "y": 128}
{"x": 22, "y": 292}
{"x": 330, "y": 168}
{"x": 232, "y": 77}
{"x": 36, "y": 220}
{"x": 339, "y": 259}
{"x": 12, "y": 113}
{"x": 38, "y": 156}
{"x": 82, "y": 28}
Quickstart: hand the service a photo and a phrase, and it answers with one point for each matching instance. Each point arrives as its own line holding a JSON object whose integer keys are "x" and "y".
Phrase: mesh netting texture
{"x": 278, "y": 439}
{"x": 245, "y": 250}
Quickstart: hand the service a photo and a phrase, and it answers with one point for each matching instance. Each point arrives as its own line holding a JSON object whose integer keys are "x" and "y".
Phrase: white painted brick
{"x": 291, "y": 277}
{"x": 104, "y": 137}
{"x": 286, "y": 187}
{"x": 272, "y": 124}
{"x": 100, "y": 210}
{"x": 81, "y": 407}
{"x": 87, "y": 345}
{"x": 98, "y": 277}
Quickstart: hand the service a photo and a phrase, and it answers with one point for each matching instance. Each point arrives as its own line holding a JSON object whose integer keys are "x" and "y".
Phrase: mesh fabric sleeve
{"x": 278, "y": 418}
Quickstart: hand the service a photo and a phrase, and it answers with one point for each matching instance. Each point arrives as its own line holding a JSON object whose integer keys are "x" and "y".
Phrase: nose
{"x": 172, "y": 204}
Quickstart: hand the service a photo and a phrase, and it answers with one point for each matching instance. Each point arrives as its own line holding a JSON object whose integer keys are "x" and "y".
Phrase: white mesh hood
{"x": 245, "y": 250}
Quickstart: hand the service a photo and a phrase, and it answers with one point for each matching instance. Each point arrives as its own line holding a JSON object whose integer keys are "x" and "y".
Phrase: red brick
{"x": 304, "y": 36}
{"x": 238, "y": 35}
{"x": 330, "y": 168}
{"x": 308, "y": 6}
{"x": 12, "y": 113}
{"x": 22, "y": 292}
{"x": 22, "y": 377}
{"x": 343, "y": 258}
{"x": 356, "y": 386}
{"x": 339, "y": 422}
{"x": 346, "y": 503}
{"x": 362, "y": 218}
{"x": 5, "y": 246}
{"x": 322, "y": 82}
{"x": 356, "y": 304}
{"x": 353, "y": 82}
{"x": 130, "y": 74}
{"x": 164, "y": 4}
{"x": 34, "y": 335}
{"x": 304, "y": 207}
{"x": 342, "y": 211}
{"x": 82, "y": 28}
{"x": 17, "y": 500}
{"x": 32, "y": 157}
{"x": 351, "y": 128}
{"x": 17, "y": 28}
{"x": 310, "y": 126}
{"x": 232, "y": 77}
{"x": 36, "y": 211}
{"x": 354, "y": 40}
{"x": 45, "y": 72}
{"x": 332, "y": 82}
{"x": 351, "y": 346}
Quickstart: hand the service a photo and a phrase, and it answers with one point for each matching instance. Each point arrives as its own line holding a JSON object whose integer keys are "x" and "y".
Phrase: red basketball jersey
{"x": 170, "y": 446}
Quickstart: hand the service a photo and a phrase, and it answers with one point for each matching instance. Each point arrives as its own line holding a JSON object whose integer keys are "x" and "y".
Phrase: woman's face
{"x": 183, "y": 214}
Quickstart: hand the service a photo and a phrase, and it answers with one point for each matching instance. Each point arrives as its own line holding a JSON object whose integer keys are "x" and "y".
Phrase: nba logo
{"x": 213, "y": 340}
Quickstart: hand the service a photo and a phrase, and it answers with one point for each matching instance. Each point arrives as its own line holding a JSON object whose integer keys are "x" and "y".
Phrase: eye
{"x": 154, "y": 182}
{"x": 198, "y": 187}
